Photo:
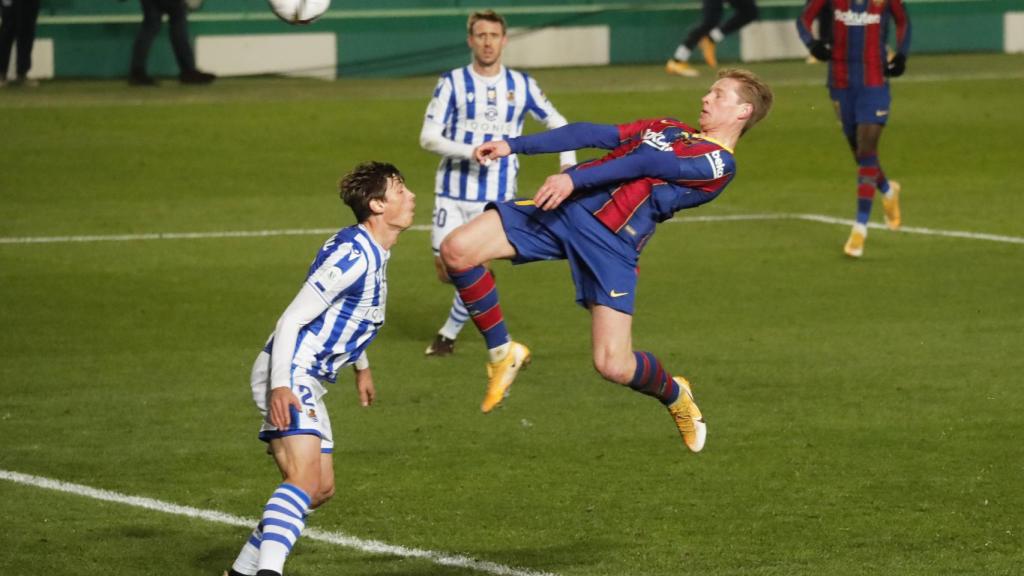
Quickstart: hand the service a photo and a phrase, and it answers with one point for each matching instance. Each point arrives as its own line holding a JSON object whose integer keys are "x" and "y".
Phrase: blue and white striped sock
{"x": 284, "y": 517}
{"x": 248, "y": 559}
{"x": 457, "y": 318}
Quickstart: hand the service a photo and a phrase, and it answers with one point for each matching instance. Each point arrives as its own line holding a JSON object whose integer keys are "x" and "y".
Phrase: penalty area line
{"x": 336, "y": 538}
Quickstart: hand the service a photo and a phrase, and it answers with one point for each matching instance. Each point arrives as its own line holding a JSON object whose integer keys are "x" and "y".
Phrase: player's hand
{"x": 821, "y": 50}
{"x": 554, "y": 190}
{"x": 364, "y": 385}
{"x": 492, "y": 150}
{"x": 897, "y": 66}
{"x": 281, "y": 399}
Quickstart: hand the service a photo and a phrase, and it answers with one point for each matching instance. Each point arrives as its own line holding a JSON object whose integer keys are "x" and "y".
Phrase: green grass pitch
{"x": 865, "y": 417}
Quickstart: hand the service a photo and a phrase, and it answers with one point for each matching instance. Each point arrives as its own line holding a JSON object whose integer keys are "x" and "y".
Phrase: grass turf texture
{"x": 864, "y": 415}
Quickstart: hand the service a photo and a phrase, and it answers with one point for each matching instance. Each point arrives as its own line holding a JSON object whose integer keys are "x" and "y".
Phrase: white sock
{"x": 248, "y": 559}
{"x": 682, "y": 53}
{"x": 716, "y": 35}
{"x": 284, "y": 517}
{"x": 457, "y": 318}
{"x": 498, "y": 354}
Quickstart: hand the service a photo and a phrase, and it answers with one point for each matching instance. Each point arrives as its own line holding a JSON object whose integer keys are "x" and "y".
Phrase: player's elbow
{"x": 427, "y": 142}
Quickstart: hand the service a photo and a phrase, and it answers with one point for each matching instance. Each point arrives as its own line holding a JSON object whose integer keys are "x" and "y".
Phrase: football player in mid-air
{"x": 598, "y": 215}
{"x": 858, "y": 83}
{"x": 328, "y": 326}
{"x": 478, "y": 102}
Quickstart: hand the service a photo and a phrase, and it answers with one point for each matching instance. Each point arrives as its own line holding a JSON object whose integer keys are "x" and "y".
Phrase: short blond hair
{"x": 487, "y": 16}
{"x": 752, "y": 91}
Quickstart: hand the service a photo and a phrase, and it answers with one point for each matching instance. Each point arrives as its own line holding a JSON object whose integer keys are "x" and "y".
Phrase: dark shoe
{"x": 196, "y": 77}
{"x": 141, "y": 79}
{"x": 441, "y": 346}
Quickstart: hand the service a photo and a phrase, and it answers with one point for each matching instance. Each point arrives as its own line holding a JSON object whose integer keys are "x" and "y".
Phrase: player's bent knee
{"x": 454, "y": 253}
{"x": 323, "y": 496}
{"x": 611, "y": 370}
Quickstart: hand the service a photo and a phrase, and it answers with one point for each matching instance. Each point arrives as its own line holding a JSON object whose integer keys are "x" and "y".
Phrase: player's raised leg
{"x": 615, "y": 360}
{"x": 463, "y": 252}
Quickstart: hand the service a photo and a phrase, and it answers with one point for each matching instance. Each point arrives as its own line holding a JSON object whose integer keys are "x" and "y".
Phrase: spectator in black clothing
{"x": 152, "y": 12}
{"x": 18, "y": 23}
{"x": 708, "y": 33}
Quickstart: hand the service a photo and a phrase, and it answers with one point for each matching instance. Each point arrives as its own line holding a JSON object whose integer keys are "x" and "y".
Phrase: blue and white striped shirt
{"x": 474, "y": 109}
{"x": 349, "y": 274}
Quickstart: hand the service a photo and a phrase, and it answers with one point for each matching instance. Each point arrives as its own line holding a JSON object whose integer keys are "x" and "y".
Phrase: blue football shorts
{"x": 603, "y": 265}
{"x": 864, "y": 105}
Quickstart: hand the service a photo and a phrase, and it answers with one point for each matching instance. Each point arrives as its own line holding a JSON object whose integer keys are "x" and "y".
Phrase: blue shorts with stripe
{"x": 603, "y": 265}
{"x": 863, "y": 105}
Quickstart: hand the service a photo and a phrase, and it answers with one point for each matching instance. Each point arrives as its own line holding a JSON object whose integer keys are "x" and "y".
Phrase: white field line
{"x": 369, "y": 546}
{"x": 821, "y": 218}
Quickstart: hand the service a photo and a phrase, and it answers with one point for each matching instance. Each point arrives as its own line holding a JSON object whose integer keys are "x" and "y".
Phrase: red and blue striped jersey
{"x": 859, "y": 31}
{"x": 655, "y": 168}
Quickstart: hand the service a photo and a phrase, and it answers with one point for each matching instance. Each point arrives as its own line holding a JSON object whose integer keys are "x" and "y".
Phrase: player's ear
{"x": 746, "y": 110}
{"x": 377, "y": 205}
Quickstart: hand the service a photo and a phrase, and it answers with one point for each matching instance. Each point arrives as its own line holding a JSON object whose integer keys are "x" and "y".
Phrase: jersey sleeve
{"x": 902, "y": 21}
{"x": 806, "y": 20}
{"x": 569, "y": 137}
{"x": 439, "y": 112}
{"x": 442, "y": 102}
{"x": 345, "y": 267}
{"x": 705, "y": 171}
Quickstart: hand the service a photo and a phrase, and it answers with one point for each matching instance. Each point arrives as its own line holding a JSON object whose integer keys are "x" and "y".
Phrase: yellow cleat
{"x": 707, "y": 48}
{"x": 892, "y": 206}
{"x": 688, "y": 418}
{"x": 854, "y": 247}
{"x": 678, "y": 68}
{"x": 502, "y": 373}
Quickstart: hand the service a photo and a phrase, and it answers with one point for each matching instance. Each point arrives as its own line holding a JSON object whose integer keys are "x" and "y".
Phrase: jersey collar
{"x": 704, "y": 136}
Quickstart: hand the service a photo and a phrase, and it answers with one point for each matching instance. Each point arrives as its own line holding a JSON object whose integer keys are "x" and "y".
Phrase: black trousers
{"x": 19, "y": 23}
{"x": 711, "y": 14}
{"x": 152, "y": 12}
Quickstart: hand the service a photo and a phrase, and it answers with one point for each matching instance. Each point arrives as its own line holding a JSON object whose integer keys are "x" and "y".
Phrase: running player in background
{"x": 858, "y": 82}
{"x": 328, "y": 325}
{"x": 471, "y": 105}
{"x": 707, "y": 34}
{"x": 599, "y": 215}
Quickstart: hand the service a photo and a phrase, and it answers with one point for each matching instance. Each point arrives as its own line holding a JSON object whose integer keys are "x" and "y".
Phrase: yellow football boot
{"x": 854, "y": 247}
{"x": 892, "y": 206}
{"x": 707, "y": 48}
{"x": 678, "y": 68}
{"x": 688, "y": 418}
{"x": 502, "y": 373}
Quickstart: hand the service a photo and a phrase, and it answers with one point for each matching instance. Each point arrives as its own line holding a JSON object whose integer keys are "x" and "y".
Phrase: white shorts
{"x": 313, "y": 419}
{"x": 449, "y": 214}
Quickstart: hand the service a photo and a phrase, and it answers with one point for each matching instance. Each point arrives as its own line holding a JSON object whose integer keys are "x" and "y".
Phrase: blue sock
{"x": 650, "y": 378}
{"x": 867, "y": 179}
{"x": 480, "y": 295}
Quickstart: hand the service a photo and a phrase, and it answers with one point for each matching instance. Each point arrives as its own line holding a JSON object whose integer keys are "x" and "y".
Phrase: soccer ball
{"x": 299, "y": 11}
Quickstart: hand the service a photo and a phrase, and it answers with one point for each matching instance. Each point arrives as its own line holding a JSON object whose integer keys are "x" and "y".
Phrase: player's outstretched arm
{"x": 492, "y": 150}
